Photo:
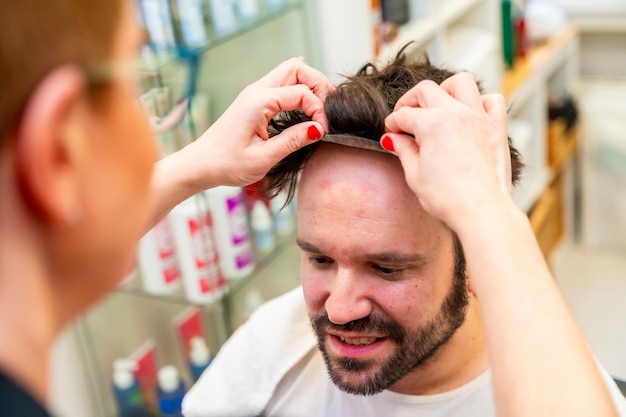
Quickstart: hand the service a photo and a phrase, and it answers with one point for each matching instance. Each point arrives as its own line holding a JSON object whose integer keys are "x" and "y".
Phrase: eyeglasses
{"x": 180, "y": 68}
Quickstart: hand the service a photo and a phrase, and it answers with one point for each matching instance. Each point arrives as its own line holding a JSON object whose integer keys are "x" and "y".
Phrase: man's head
{"x": 75, "y": 152}
{"x": 384, "y": 282}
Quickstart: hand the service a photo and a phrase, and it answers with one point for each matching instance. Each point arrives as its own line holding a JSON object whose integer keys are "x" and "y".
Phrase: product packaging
{"x": 170, "y": 392}
{"x": 262, "y": 226}
{"x": 158, "y": 21}
{"x": 157, "y": 260}
{"x": 146, "y": 374}
{"x": 191, "y": 19}
{"x": 248, "y": 9}
{"x": 283, "y": 214}
{"x": 193, "y": 341}
{"x": 275, "y": 3}
{"x": 198, "y": 258}
{"x": 231, "y": 231}
{"x": 223, "y": 16}
{"x": 199, "y": 357}
{"x": 125, "y": 389}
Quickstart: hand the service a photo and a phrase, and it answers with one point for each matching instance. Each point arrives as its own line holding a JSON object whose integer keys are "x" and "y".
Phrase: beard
{"x": 413, "y": 347}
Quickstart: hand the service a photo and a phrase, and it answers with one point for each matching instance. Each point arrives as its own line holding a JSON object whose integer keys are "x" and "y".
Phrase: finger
{"x": 405, "y": 120}
{"x": 495, "y": 106}
{"x": 426, "y": 94}
{"x": 463, "y": 87}
{"x": 294, "y": 97}
{"x": 292, "y": 139}
{"x": 295, "y": 71}
{"x": 407, "y": 149}
{"x": 417, "y": 96}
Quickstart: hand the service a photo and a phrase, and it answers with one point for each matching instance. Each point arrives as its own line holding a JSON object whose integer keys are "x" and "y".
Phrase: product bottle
{"x": 395, "y": 11}
{"x": 282, "y": 213}
{"x": 248, "y": 9}
{"x": 158, "y": 21}
{"x": 158, "y": 263}
{"x": 261, "y": 222}
{"x": 198, "y": 257}
{"x": 223, "y": 16}
{"x": 171, "y": 391}
{"x": 125, "y": 389}
{"x": 199, "y": 357}
{"x": 231, "y": 231}
{"x": 191, "y": 15}
{"x": 275, "y": 3}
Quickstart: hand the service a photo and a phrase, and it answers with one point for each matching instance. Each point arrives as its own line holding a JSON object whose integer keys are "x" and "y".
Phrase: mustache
{"x": 370, "y": 324}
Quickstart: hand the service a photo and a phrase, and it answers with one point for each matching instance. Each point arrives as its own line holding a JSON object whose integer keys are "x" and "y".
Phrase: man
{"x": 397, "y": 326}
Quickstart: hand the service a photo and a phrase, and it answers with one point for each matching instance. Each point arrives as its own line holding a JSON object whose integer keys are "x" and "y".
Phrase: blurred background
{"x": 561, "y": 64}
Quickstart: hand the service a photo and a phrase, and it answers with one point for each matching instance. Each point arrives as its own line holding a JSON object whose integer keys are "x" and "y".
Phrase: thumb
{"x": 294, "y": 138}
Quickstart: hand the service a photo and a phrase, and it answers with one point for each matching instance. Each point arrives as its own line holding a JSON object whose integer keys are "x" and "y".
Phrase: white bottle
{"x": 191, "y": 17}
{"x": 158, "y": 21}
{"x": 198, "y": 257}
{"x": 157, "y": 260}
{"x": 248, "y": 9}
{"x": 199, "y": 356}
{"x": 261, "y": 222}
{"x": 275, "y": 3}
{"x": 284, "y": 222}
{"x": 231, "y": 231}
{"x": 223, "y": 16}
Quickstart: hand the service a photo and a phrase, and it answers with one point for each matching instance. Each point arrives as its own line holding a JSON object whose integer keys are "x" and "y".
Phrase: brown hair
{"x": 359, "y": 107}
{"x": 38, "y": 36}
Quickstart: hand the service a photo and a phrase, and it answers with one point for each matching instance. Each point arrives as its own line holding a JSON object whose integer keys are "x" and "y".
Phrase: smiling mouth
{"x": 358, "y": 341}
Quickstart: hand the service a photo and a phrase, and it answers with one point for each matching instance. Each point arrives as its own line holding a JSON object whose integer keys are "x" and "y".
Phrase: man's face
{"x": 378, "y": 272}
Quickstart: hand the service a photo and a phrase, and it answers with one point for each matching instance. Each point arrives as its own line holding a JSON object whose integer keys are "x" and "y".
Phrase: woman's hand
{"x": 236, "y": 149}
{"x": 459, "y": 158}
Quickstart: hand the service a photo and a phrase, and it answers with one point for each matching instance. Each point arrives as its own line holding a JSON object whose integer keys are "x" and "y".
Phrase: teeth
{"x": 358, "y": 341}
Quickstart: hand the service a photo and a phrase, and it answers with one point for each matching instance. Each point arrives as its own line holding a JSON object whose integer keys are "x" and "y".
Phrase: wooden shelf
{"x": 536, "y": 61}
{"x": 546, "y": 218}
{"x": 562, "y": 145}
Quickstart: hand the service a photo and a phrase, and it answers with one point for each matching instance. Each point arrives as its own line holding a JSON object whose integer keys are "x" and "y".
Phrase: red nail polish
{"x": 387, "y": 143}
{"x": 313, "y": 133}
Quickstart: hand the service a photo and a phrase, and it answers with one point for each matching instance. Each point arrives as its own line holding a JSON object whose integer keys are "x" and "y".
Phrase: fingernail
{"x": 313, "y": 133}
{"x": 387, "y": 143}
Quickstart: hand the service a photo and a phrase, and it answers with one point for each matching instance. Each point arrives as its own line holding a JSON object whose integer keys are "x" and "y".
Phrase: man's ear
{"x": 470, "y": 287}
{"x": 47, "y": 146}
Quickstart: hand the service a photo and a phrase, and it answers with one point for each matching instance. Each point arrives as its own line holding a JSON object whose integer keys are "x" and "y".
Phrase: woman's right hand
{"x": 237, "y": 150}
{"x": 459, "y": 158}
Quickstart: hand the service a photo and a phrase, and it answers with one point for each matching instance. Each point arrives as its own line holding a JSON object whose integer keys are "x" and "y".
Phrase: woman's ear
{"x": 48, "y": 146}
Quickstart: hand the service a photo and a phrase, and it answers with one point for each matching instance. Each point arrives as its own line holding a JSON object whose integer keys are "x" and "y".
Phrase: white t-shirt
{"x": 271, "y": 366}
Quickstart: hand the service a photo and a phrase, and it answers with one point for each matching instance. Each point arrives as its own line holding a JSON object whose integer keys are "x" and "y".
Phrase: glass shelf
{"x": 165, "y": 57}
{"x": 134, "y": 287}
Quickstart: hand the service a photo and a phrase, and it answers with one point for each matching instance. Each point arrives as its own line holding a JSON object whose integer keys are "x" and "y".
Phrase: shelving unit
{"x": 549, "y": 70}
{"x": 460, "y": 35}
{"x": 130, "y": 316}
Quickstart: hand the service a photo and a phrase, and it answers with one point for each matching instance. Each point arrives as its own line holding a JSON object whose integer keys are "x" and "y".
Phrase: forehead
{"x": 360, "y": 195}
{"x": 337, "y": 171}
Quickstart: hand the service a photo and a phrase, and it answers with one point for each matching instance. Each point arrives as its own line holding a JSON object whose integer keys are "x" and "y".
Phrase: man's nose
{"x": 348, "y": 300}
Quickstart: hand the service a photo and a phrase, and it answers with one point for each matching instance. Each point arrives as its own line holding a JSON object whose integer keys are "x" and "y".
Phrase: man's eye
{"x": 319, "y": 261}
{"x": 387, "y": 271}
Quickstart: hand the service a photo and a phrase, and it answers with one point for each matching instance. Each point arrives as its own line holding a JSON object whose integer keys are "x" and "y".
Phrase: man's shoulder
{"x": 251, "y": 364}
